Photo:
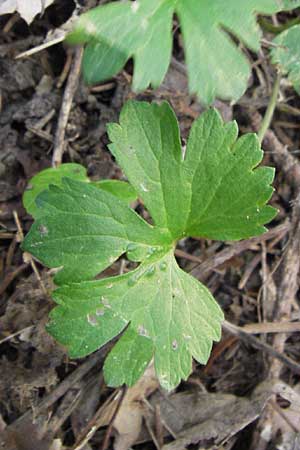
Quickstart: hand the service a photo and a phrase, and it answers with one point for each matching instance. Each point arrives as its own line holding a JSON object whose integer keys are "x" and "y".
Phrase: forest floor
{"x": 248, "y": 395}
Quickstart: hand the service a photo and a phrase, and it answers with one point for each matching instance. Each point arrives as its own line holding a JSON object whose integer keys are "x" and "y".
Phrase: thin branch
{"x": 59, "y": 141}
{"x": 111, "y": 423}
{"x": 252, "y": 340}
{"x": 272, "y": 327}
{"x": 235, "y": 249}
{"x": 26, "y": 256}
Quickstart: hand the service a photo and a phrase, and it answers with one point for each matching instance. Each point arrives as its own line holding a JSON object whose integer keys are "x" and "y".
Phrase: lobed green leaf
{"x": 43, "y": 179}
{"x": 212, "y": 189}
{"x": 83, "y": 230}
{"x": 161, "y": 302}
{"x": 220, "y": 194}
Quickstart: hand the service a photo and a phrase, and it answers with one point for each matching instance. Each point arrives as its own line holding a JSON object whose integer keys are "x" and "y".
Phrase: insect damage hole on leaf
{"x": 217, "y": 192}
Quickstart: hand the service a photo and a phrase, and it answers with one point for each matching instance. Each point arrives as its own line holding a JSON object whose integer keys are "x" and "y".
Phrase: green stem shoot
{"x": 268, "y": 26}
{"x": 270, "y": 110}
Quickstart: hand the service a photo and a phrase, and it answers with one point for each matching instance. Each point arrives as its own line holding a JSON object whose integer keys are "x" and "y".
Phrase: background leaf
{"x": 287, "y": 54}
{"x": 121, "y": 189}
{"x": 43, "y": 179}
{"x": 142, "y": 30}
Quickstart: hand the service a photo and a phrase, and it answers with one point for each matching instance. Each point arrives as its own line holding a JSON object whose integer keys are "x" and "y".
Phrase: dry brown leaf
{"x": 25, "y": 436}
{"x": 2, "y": 424}
{"x": 56, "y": 445}
{"x": 287, "y": 420}
{"x": 128, "y": 422}
{"x": 196, "y": 416}
{"x": 27, "y": 9}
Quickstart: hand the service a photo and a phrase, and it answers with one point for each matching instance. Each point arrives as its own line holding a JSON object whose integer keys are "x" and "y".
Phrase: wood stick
{"x": 59, "y": 141}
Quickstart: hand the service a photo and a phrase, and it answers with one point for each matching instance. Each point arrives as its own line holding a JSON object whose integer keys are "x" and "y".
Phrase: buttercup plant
{"x": 212, "y": 190}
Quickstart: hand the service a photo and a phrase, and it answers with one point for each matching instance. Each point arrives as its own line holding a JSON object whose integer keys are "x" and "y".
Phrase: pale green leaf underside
{"x": 143, "y": 30}
{"x": 162, "y": 303}
{"x": 287, "y": 54}
{"x": 45, "y": 178}
{"x": 214, "y": 190}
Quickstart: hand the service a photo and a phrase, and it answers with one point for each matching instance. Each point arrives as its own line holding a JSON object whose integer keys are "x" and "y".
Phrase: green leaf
{"x": 83, "y": 230}
{"x": 54, "y": 176}
{"x": 212, "y": 190}
{"x": 142, "y": 30}
{"x": 131, "y": 354}
{"x": 219, "y": 192}
{"x": 121, "y": 189}
{"x": 287, "y": 55}
{"x": 161, "y": 302}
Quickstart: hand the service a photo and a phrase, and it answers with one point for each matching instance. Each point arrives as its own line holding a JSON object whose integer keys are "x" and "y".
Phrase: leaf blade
{"x": 203, "y": 179}
{"x": 84, "y": 230}
{"x": 228, "y": 192}
{"x": 131, "y": 354}
{"x": 43, "y": 179}
{"x": 144, "y": 144}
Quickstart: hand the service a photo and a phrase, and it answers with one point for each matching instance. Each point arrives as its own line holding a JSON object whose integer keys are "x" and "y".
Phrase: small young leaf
{"x": 142, "y": 29}
{"x": 287, "y": 54}
{"x": 54, "y": 176}
{"x": 213, "y": 190}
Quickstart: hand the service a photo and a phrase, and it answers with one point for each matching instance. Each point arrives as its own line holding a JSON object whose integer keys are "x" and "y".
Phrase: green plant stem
{"x": 268, "y": 26}
{"x": 270, "y": 110}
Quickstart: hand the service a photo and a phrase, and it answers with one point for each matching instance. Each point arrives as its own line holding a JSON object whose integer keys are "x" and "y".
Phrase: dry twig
{"x": 286, "y": 294}
{"x": 26, "y": 256}
{"x": 235, "y": 249}
{"x": 252, "y": 340}
{"x": 59, "y": 142}
{"x": 111, "y": 423}
{"x": 289, "y": 283}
